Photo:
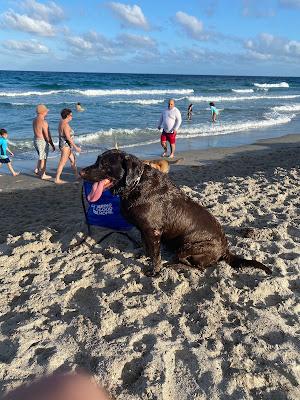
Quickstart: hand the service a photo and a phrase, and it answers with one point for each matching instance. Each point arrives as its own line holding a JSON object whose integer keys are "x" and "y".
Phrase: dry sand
{"x": 218, "y": 334}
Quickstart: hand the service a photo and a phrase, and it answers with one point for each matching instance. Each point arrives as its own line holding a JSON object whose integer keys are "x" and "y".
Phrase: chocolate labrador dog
{"x": 163, "y": 213}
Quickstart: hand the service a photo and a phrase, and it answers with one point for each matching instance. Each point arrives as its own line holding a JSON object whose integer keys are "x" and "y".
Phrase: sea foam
{"x": 30, "y": 93}
{"x": 243, "y": 90}
{"x": 224, "y": 128}
{"x": 138, "y": 101}
{"x": 287, "y": 108}
{"x": 272, "y": 85}
{"x": 130, "y": 92}
{"x": 99, "y": 92}
{"x": 239, "y": 98}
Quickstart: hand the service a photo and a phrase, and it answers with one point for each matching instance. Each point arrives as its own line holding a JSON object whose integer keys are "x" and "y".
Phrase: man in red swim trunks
{"x": 170, "y": 121}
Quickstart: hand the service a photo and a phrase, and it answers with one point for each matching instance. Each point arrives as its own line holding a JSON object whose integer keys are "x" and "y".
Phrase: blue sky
{"x": 231, "y": 37}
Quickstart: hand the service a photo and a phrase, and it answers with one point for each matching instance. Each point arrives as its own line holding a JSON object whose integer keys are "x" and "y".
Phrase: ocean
{"x": 125, "y": 109}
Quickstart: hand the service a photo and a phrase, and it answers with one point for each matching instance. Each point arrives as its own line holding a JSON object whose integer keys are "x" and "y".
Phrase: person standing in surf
{"x": 214, "y": 111}
{"x": 66, "y": 145}
{"x": 190, "y": 112}
{"x": 170, "y": 121}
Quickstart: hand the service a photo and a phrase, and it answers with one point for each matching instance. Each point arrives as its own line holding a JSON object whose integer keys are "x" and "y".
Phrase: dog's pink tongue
{"x": 96, "y": 191}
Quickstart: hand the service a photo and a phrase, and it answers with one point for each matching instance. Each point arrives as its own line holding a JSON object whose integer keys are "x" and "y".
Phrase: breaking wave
{"x": 241, "y": 98}
{"x": 99, "y": 92}
{"x": 243, "y": 90}
{"x": 138, "y": 101}
{"x": 130, "y": 92}
{"x": 272, "y": 85}
{"x": 287, "y": 108}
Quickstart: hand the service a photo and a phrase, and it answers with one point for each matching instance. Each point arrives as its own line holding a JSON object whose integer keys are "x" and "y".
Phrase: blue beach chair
{"x": 104, "y": 213}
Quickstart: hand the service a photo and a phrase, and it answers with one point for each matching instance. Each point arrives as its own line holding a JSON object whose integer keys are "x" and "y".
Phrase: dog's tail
{"x": 237, "y": 262}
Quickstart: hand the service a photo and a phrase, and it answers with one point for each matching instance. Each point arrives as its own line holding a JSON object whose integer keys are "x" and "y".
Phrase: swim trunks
{"x": 4, "y": 160}
{"x": 42, "y": 148}
{"x": 170, "y": 137}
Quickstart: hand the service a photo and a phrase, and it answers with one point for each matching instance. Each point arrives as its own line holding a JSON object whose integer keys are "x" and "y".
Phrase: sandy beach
{"x": 218, "y": 334}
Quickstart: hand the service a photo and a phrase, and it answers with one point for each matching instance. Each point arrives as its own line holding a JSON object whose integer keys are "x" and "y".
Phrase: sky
{"x": 223, "y": 37}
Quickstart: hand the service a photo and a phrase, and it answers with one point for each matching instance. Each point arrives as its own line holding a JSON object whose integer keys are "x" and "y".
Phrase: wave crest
{"x": 287, "y": 108}
{"x": 243, "y": 90}
{"x": 272, "y": 85}
{"x": 241, "y": 98}
{"x": 99, "y": 92}
{"x": 130, "y": 92}
{"x": 138, "y": 101}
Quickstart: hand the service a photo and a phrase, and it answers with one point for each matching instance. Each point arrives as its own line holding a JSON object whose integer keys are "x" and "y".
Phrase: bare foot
{"x": 164, "y": 154}
{"x": 59, "y": 181}
{"x": 171, "y": 156}
{"x": 16, "y": 174}
{"x": 46, "y": 176}
{"x": 36, "y": 171}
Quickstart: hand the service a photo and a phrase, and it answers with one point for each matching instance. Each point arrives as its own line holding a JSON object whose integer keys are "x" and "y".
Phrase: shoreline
{"x": 27, "y": 179}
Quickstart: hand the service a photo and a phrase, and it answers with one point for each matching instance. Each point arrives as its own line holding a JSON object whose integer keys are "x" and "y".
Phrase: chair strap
{"x": 84, "y": 209}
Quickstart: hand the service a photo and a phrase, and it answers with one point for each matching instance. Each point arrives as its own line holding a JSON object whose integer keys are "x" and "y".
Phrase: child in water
{"x": 190, "y": 112}
{"x": 214, "y": 111}
{"x": 3, "y": 152}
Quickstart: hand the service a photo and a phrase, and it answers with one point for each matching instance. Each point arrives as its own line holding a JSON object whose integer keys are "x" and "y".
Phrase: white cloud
{"x": 258, "y": 8}
{"x": 129, "y": 40}
{"x": 47, "y": 12}
{"x": 267, "y": 46}
{"x": 290, "y": 3}
{"x": 26, "y": 46}
{"x": 13, "y": 20}
{"x": 92, "y": 44}
{"x": 292, "y": 47}
{"x": 258, "y": 56}
{"x": 79, "y": 43}
{"x": 130, "y": 15}
{"x": 192, "y": 26}
{"x": 96, "y": 45}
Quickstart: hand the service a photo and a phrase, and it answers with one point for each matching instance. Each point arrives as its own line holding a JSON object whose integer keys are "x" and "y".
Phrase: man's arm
{"x": 178, "y": 121}
{"x": 47, "y": 135}
{"x": 50, "y": 139}
{"x": 160, "y": 121}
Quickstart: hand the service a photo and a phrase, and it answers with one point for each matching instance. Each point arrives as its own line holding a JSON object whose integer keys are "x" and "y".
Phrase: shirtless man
{"x": 42, "y": 139}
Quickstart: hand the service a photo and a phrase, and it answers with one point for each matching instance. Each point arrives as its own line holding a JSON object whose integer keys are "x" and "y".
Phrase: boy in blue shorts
{"x": 3, "y": 152}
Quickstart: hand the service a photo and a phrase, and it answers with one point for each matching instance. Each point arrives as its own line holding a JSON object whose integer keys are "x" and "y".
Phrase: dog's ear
{"x": 133, "y": 170}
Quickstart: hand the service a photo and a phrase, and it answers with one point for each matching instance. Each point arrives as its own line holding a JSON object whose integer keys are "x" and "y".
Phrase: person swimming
{"x": 79, "y": 108}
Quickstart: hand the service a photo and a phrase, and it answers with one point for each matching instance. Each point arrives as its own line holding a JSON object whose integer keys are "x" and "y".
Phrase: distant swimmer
{"x": 190, "y": 112}
{"x": 214, "y": 111}
{"x": 79, "y": 108}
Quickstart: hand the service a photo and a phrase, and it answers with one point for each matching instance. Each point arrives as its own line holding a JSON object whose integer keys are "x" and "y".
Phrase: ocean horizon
{"x": 125, "y": 108}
